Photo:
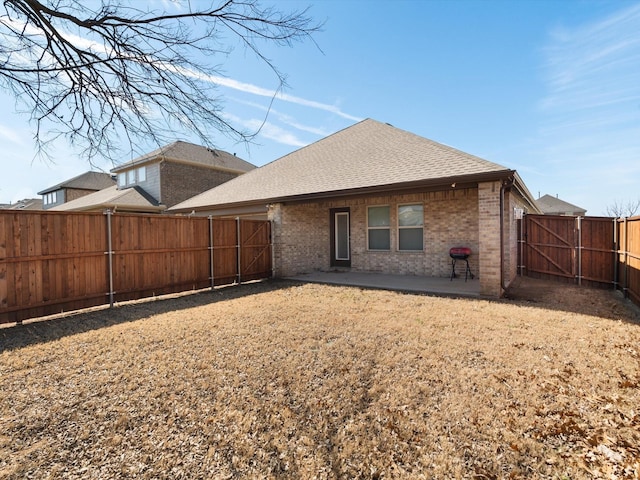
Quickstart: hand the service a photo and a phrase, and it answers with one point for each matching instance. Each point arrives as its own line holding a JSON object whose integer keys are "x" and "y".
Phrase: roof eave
{"x": 455, "y": 181}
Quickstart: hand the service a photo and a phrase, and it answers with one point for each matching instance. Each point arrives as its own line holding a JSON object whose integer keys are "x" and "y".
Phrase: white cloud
{"x": 10, "y": 135}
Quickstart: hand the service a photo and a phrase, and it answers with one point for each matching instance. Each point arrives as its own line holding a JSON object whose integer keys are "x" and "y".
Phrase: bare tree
{"x": 96, "y": 72}
{"x": 620, "y": 209}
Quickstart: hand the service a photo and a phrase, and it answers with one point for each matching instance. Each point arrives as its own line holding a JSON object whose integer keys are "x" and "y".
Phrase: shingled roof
{"x": 86, "y": 181}
{"x": 186, "y": 152}
{"x": 133, "y": 199}
{"x": 368, "y": 156}
{"x": 554, "y": 206}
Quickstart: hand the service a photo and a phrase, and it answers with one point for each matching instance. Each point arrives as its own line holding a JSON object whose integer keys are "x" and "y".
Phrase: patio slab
{"x": 408, "y": 283}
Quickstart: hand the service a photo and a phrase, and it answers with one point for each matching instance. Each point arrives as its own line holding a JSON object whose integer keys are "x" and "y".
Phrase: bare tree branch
{"x": 95, "y": 75}
{"x": 621, "y": 209}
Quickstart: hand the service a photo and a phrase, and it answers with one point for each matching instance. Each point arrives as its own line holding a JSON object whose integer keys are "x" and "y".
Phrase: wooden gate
{"x": 573, "y": 249}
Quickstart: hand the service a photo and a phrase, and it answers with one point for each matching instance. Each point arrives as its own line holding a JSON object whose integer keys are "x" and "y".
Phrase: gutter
{"x": 460, "y": 181}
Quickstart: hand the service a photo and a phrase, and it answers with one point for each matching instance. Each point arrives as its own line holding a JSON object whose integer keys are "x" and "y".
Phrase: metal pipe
{"x": 273, "y": 251}
{"x": 505, "y": 184}
{"x": 239, "y": 250}
{"x": 110, "y": 256}
{"x": 579, "y": 222}
{"x": 625, "y": 290}
{"x": 211, "y": 251}
{"x": 616, "y": 254}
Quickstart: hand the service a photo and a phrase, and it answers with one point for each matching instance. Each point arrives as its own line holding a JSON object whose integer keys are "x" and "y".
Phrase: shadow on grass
{"x": 558, "y": 296}
{"x": 54, "y": 327}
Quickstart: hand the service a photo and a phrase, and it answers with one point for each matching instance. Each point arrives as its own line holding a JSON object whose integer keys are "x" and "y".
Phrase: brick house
{"x": 375, "y": 198}
{"x": 77, "y": 187}
{"x": 164, "y": 177}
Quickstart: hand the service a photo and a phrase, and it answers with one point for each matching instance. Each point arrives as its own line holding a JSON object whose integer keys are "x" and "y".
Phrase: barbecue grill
{"x": 460, "y": 253}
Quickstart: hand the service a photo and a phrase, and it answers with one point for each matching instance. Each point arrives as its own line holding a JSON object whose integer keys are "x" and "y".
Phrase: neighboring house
{"x": 163, "y": 178}
{"x": 77, "y": 187}
{"x": 376, "y": 198}
{"x": 26, "y": 204}
{"x": 550, "y": 205}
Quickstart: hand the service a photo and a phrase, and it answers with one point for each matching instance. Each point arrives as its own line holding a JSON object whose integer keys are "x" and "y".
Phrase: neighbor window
{"x": 51, "y": 198}
{"x": 142, "y": 174}
{"x": 131, "y": 177}
{"x": 122, "y": 179}
{"x": 379, "y": 228}
{"x": 410, "y": 227}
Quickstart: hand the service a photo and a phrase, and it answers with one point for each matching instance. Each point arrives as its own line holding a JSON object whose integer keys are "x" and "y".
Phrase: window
{"x": 142, "y": 174}
{"x": 378, "y": 228}
{"x": 122, "y": 179}
{"x": 131, "y": 177}
{"x": 51, "y": 198}
{"x": 410, "y": 227}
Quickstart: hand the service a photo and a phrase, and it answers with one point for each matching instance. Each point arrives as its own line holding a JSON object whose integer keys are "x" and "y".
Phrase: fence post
{"x": 211, "y": 252}
{"x": 616, "y": 254}
{"x": 579, "y": 222}
{"x": 239, "y": 250}
{"x": 109, "y": 253}
{"x": 625, "y": 290}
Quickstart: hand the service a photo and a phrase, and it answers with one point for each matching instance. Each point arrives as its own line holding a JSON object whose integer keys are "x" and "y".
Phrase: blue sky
{"x": 548, "y": 88}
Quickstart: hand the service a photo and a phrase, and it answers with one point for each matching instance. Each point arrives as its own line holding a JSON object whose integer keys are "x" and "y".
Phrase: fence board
{"x": 602, "y": 251}
{"x": 56, "y": 261}
{"x": 550, "y": 246}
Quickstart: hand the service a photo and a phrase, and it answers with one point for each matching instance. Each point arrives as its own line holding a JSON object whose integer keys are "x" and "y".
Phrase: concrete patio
{"x": 407, "y": 283}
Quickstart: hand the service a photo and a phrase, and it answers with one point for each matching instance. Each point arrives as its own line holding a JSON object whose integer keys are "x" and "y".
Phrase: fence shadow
{"x": 53, "y": 328}
{"x": 561, "y": 296}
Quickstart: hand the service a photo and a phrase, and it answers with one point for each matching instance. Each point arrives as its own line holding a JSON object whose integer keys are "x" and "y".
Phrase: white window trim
{"x": 408, "y": 227}
{"x": 379, "y": 228}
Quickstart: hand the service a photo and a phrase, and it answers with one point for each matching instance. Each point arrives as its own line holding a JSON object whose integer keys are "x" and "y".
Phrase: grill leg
{"x": 453, "y": 269}
{"x": 467, "y": 271}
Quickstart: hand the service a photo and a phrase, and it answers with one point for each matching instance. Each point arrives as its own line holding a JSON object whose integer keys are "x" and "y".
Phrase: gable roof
{"x": 86, "y": 181}
{"x": 368, "y": 156}
{"x": 26, "y": 204}
{"x": 133, "y": 199}
{"x": 553, "y": 205}
{"x": 186, "y": 152}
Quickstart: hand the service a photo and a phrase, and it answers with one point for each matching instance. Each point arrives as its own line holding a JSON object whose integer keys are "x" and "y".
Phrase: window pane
{"x": 379, "y": 217}
{"x": 142, "y": 174}
{"x": 342, "y": 236}
{"x": 379, "y": 239}
{"x": 410, "y": 239}
{"x": 410, "y": 216}
{"x": 131, "y": 177}
{"x": 122, "y": 179}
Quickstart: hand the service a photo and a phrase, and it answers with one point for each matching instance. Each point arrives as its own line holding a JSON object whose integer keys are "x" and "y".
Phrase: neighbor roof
{"x": 365, "y": 156}
{"x": 550, "y": 205}
{"x": 130, "y": 199}
{"x": 26, "y": 204}
{"x": 86, "y": 181}
{"x": 190, "y": 153}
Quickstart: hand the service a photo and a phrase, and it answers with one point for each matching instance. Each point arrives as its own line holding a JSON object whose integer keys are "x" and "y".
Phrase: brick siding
{"x": 301, "y": 234}
{"x": 180, "y": 182}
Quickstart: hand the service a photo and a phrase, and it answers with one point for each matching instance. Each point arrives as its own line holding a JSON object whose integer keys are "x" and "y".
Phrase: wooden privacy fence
{"x": 53, "y": 261}
{"x": 592, "y": 251}
{"x": 628, "y": 274}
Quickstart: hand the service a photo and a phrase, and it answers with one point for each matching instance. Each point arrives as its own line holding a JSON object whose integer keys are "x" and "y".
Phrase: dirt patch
{"x": 283, "y": 380}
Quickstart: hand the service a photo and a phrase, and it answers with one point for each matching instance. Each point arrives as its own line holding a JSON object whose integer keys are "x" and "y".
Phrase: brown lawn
{"x": 283, "y": 380}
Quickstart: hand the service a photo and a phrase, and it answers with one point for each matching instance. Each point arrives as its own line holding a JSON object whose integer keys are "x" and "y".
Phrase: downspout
{"x": 508, "y": 183}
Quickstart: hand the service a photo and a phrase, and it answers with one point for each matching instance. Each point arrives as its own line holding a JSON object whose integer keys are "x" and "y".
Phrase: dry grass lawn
{"x": 284, "y": 380}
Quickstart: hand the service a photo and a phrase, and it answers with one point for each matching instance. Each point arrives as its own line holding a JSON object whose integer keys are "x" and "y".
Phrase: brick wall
{"x": 74, "y": 193}
{"x": 301, "y": 234}
{"x": 180, "y": 182}
{"x": 489, "y": 225}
